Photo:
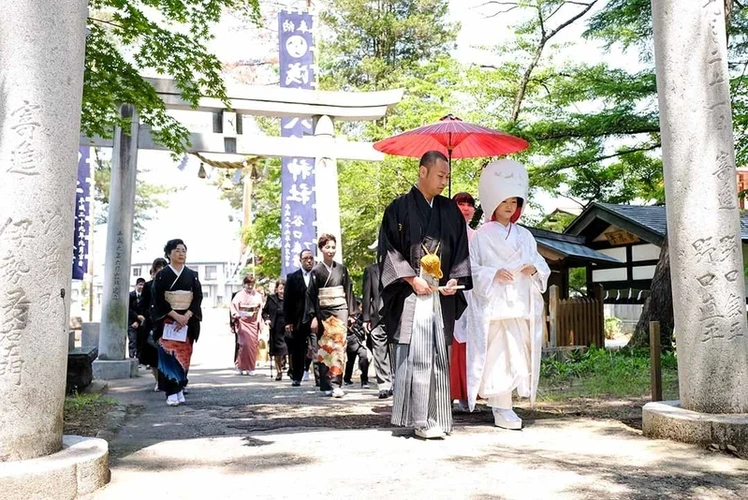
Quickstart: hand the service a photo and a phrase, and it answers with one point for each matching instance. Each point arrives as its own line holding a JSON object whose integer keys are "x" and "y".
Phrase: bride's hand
{"x": 504, "y": 276}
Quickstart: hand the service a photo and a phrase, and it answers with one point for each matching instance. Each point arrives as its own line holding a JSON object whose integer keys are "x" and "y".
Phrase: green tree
{"x": 148, "y": 198}
{"x": 376, "y": 46}
{"x": 372, "y": 45}
{"x": 169, "y": 37}
{"x": 264, "y": 234}
{"x": 592, "y": 128}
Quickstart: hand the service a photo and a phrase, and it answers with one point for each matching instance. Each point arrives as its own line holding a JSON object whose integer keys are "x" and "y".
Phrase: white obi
{"x": 332, "y": 296}
{"x": 179, "y": 300}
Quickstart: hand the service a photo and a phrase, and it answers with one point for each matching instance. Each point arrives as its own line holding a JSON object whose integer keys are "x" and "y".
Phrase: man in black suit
{"x": 293, "y": 311}
{"x": 136, "y": 316}
{"x": 380, "y": 347}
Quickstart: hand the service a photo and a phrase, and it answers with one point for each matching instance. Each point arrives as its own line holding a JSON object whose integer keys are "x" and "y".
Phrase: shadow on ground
{"x": 682, "y": 472}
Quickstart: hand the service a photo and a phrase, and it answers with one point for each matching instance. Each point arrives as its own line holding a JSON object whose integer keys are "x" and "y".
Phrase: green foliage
{"x": 628, "y": 24}
{"x": 77, "y": 403}
{"x": 264, "y": 234}
{"x": 592, "y": 128}
{"x": 169, "y": 37}
{"x": 148, "y": 198}
{"x": 600, "y": 372}
{"x": 556, "y": 221}
{"x": 624, "y": 22}
{"x": 373, "y": 45}
{"x": 578, "y": 280}
{"x": 613, "y": 327}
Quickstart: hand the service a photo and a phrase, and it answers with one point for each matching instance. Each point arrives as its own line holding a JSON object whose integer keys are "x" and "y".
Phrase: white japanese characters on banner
{"x": 297, "y": 176}
{"x": 83, "y": 196}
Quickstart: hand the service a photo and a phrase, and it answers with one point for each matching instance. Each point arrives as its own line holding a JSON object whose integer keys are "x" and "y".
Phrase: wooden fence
{"x": 578, "y": 321}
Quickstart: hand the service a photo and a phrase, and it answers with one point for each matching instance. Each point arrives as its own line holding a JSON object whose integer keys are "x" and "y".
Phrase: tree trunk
{"x": 658, "y": 306}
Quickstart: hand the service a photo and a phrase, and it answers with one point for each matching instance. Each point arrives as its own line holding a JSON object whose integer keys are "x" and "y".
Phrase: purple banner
{"x": 297, "y": 176}
{"x": 82, "y": 213}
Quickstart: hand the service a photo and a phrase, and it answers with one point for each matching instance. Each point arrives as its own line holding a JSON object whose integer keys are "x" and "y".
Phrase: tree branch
{"x": 580, "y": 14}
{"x": 582, "y": 205}
{"x": 106, "y": 22}
{"x": 545, "y": 37}
{"x": 541, "y": 23}
{"x": 560, "y": 6}
{"x": 566, "y": 135}
{"x": 514, "y": 5}
{"x": 619, "y": 153}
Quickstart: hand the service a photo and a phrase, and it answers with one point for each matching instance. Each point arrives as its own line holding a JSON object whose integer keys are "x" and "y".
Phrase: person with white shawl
{"x": 505, "y": 320}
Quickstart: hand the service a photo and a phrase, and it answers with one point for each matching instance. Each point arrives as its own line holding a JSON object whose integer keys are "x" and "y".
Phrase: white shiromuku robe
{"x": 505, "y": 320}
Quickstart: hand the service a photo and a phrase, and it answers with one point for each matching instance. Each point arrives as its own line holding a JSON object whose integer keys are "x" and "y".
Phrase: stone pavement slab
{"x": 254, "y": 437}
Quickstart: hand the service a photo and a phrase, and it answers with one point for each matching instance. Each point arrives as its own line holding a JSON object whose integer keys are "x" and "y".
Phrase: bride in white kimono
{"x": 505, "y": 320}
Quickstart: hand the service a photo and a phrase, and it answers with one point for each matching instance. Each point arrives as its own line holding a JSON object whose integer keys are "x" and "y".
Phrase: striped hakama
{"x": 421, "y": 391}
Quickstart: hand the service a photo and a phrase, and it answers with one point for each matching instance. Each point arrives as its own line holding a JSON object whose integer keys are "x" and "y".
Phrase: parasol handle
{"x": 449, "y": 152}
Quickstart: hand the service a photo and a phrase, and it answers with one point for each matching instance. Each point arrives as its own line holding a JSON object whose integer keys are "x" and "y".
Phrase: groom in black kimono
{"x": 414, "y": 223}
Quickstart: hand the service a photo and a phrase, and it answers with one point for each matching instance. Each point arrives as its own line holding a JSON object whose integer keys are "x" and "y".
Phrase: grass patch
{"x": 600, "y": 373}
{"x": 85, "y": 414}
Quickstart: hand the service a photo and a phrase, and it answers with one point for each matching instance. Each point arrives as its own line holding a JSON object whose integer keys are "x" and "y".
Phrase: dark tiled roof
{"x": 575, "y": 250}
{"x": 651, "y": 217}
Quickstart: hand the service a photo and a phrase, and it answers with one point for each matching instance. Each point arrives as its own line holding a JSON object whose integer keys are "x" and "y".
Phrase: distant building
{"x": 218, "y": 279}
{"x": 217, "y": 262}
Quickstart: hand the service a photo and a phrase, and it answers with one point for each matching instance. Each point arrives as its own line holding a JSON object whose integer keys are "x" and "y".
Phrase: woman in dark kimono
{"x": 272, "y": 314}
{"x": 330, "y": 303}
{"x": 177, "y": 296}
{"x": 147, "y": 351}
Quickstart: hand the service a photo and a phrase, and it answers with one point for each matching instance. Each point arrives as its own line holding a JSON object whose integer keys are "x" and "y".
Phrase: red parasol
{"x": 453, "y": 137}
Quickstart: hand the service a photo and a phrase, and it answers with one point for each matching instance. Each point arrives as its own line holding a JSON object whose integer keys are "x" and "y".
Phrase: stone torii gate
{"x": 322, "y": 107}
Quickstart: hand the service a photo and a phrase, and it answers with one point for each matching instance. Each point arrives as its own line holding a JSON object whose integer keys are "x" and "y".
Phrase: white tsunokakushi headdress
{"x": 500, "y": 180}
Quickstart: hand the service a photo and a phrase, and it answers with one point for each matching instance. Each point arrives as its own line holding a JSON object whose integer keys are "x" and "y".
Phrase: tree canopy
{"x": 129, "y": 38}
{"x": 372, "y": 45}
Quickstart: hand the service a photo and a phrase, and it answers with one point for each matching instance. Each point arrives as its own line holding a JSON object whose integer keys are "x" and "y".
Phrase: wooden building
{"x": 631, "y": 234}
{"x": 564, "y": 252}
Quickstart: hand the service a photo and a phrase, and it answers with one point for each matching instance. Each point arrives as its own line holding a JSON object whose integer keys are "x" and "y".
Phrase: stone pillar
{"x": 703, "y": 230}
{"x": 326, "y": 179}
{"x": 41, "y": 56}
{"x": 702, "y": 211}
{"x": 112, "y": 362}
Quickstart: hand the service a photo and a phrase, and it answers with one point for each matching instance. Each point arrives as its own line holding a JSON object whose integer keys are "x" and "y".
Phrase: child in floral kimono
{"x": 505, "y": 320}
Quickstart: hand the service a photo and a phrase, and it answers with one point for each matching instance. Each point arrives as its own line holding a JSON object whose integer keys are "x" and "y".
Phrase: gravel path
{"x": 263, "y": 439}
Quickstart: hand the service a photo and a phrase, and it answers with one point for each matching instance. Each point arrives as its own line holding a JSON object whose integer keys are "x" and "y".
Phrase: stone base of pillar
{"x": 81, "y": 467}
{"x": 107, "y": 369}
{"x": 667, "y": 420}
